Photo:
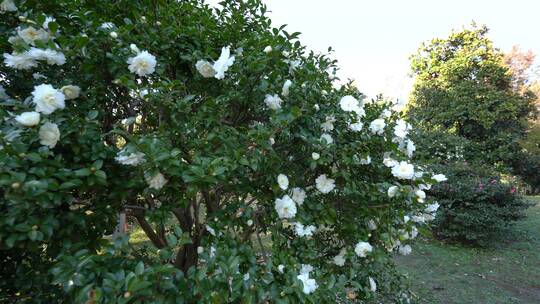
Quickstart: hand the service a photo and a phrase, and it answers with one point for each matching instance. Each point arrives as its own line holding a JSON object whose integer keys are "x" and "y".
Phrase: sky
{"x": 374, "y": 39}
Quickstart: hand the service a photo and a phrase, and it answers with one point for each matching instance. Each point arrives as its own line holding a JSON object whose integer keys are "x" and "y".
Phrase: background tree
{"x": 463, "y": 86}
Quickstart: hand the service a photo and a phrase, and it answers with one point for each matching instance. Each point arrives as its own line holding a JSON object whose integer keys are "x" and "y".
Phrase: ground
{"x": 507, "y": 272}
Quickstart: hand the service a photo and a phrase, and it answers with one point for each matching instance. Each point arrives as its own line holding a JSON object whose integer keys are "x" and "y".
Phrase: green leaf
{"x": 83, "y": 172}
{"x": 93, "y": 114}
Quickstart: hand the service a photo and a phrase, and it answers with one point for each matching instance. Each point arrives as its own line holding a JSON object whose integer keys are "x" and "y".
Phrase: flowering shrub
{"x": 213, "y": 131}
{"x": 475, "y": 204}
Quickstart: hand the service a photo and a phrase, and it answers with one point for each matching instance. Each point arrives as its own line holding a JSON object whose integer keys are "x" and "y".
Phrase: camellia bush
{"x": 255, "y": 177}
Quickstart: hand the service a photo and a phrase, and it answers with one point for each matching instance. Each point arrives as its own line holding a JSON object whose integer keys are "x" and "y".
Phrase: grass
{"x": 507, "y": 272}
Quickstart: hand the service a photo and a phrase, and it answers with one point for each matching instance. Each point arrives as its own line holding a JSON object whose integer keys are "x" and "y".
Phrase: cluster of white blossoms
{"x": 27, "y": 37}
{"x": 45, "y": 97}
{"x": 309, "y": 284}
{"x": 304, "y": 231}
{"x": 220, "y": 66}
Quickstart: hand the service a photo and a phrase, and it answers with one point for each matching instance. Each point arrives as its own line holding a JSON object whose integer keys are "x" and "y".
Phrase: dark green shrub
{"x": 527, "y": 166}
{"x": 476, "y": 204}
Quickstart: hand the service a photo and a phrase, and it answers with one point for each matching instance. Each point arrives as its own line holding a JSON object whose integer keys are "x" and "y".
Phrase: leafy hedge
{"x": 476, "y": 204}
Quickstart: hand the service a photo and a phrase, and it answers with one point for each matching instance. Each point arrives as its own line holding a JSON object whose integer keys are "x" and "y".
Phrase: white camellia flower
{"x": 30, "y": 35}
{"x": 326, "y": 138}
{"x": 406, "y": 219}
{"x": 403, "y": 170}
{"x": 372, "y": 285}
{"x": 339, "y": 259}
{"x": 143, "y": 64}
{"x": 223, "y": 63}
{"x": 283, "y": 181}
{"x": 432, "y": 208}
{"x": 8, "y": 6}
{"x": 372, "y": 225}
{"x": 293, "y": 65}
{"x": 49, "y": 134}
{"x": 28, "y": 119}
{"x": 328, "y": 125}
{"x": 410, "y": 148}
{"x": 205, "y": 68}
{"x": 362, "y": 249}
{"x": 281, "y": 267}
{"x": 304, "y": 231}
{"x": 392, "y": 191}
{"x": 113, "y": 35}
{"x": 402, "y": 128}
{"x": 133, "y": 47}
{"x": 414, "y": 232}
{"x": 285, "y": 207}
{"x": 131, "y": 159}
{"x": 48, "y": 20}
{"x": 405, "y": 249}
{"x": 356, "y": 127}
{"x": 285, "y": 89}
{"x": 273, "y": 101}
{"x": 210, "y": 230}
{"x": 389, "y": 162}
{"x": 315, "y": 155}
{"x": 156, "y": 181}
{"x": 386, "y": 113}
{"x": 365, "y": 161}
{"x": 107, "y": 26}
{"x": 200, "y": 250}
{"x": 47, "y": 99}
{"x": 399, "y": 105}
{"x": 71, "y": 91}
{"x": 298, "y": 195}
{"x": 38, "y": 76}
{"x": 19, "y": 61}
{"x": 421, "y": 195}
{"x": 349, "y": 104}
{"x": 49, "y": 55}
{"x": 309, "y": 285}
{"x": 377, "y": 126}
{"x": 267, "y": 49}
{"x": 439, "y": 177}
{"x": 324, "y": 184}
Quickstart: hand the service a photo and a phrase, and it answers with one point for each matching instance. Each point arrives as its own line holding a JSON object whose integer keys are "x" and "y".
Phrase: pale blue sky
{"x": 373, "y": 39}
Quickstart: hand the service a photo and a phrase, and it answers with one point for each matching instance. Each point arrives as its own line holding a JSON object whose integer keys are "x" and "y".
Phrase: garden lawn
{"x": 506, "y": 272}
